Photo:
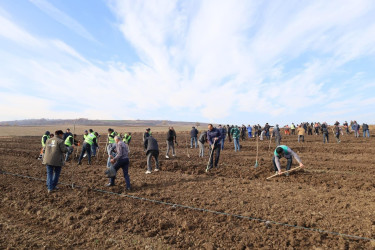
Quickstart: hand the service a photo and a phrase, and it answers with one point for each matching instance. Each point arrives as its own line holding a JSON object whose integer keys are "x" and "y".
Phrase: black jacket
{"x": 151, "y": 144}
{"x": 203, "y": 138}
{"x": 171, "y": 135}
{"x": 194, "y": 132}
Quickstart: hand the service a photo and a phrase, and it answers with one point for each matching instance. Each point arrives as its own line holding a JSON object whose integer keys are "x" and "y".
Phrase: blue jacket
{"x": 212, "y": 134}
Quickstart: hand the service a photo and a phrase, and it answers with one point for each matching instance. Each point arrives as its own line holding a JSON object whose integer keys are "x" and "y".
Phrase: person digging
{"x": 284, "y": 151}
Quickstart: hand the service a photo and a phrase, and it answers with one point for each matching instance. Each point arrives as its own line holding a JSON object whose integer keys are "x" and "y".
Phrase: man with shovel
{"x": 213, "y": 138}
{"x": 284, "y": 151}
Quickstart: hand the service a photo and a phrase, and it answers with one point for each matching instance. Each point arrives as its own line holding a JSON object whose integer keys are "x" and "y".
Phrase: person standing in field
{"x": 276, "y": 133}
{"x": 171, "y": 139}
{"x": 293, "y": 128}
{"x": 201, "y": 141}
{"x": 336, "y": 130}
{"x": 152, "y": 150}
{"x": 223, "y": 132}
{"x": 54, "y": 159}
{"x": 236, "y": 138}
{"x": 249, "y": 131}
{"x": 284, "y": 151}
{"x": 228, "y": 133}
{"x": 301, "y": 133}
{"x": 355, "y": 128}
{"x": 366, "y": 130}
{"x": 194, "y": 137}
{"x": 90, "y": 139}
{"x": 66, "y": 134}
{"x": 286, "y": 130}
{"x": 147, "y": 134}
{"x": 325, "y": 133}
{"x": 121, "y": 160}
{"x": 214, "y": 138}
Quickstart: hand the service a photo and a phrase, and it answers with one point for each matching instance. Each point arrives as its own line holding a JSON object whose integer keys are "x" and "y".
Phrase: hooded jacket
{"x": 54, "y": 152}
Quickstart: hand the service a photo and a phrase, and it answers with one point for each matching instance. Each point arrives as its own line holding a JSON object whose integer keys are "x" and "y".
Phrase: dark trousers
{"x": 217, "y": 155}
{"x": 324, "y": 138}
{"x": 85, "y": 148}
{"x": 288, "y": 164}
{"x": 150, "y": 154}
{"x": 293, "y": 131}
{"x": 124, "y": 164}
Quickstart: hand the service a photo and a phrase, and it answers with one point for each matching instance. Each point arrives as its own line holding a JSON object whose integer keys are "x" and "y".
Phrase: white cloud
{"x": 63, "y": 18}
{"x": 210, "y": 58}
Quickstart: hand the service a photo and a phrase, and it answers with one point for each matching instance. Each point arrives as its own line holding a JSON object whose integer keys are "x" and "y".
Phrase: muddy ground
{"x": 335, "y": 193}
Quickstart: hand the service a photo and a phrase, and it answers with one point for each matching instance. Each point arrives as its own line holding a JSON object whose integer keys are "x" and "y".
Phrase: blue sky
{"x": 210, "y": 61}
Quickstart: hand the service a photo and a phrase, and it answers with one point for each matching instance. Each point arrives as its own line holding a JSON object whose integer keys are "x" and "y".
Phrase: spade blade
{"x": 256, "y": 164}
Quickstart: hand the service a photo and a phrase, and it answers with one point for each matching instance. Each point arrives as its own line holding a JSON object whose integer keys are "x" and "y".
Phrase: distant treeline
{"x": 85, "y": 121}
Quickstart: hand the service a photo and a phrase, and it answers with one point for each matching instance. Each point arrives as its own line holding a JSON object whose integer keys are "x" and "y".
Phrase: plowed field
{"x": 334, "y": 193}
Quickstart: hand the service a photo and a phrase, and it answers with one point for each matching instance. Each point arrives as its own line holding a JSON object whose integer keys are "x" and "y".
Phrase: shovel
{"x": 209, "y": 159}
{"x": 256, "y": 160}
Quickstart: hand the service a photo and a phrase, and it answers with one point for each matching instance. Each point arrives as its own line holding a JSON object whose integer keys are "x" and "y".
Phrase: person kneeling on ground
{"x": 54, "y": 159}
{"x": 152, "y": 150}
{"x": 284, "y": 151}
{"x": 121, "y": 160}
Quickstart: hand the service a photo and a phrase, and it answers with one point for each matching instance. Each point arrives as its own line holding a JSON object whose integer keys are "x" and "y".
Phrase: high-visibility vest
{"x": 112, "y": 139}
{"x": 43, "y": 144}
{"x": 127, "y": 138}
{"x": 67, "y": 141}
{"x": 90, "y": 138}
{"x": 292, "y": 126}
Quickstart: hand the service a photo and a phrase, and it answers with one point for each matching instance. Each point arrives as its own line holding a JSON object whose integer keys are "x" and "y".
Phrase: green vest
{"x": 285, "y": 149}
{"x": 127, "y": 138}
{"x": 112, "y": 139}
{"x": 292, "y": 126}
{"x": 43, "y": 144}
{"x": 67, "y": 141}
{"x": 90, "y": 138}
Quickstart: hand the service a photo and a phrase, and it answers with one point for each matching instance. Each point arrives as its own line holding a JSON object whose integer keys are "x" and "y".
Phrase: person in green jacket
{"x": 235, "y": 132}
{"x": 90, "y": 139}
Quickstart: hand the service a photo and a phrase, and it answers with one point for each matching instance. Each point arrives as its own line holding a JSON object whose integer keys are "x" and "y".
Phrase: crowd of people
{"x": 57, "y": 148}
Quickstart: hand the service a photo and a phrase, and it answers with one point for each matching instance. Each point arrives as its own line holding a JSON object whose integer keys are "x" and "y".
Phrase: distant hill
{"x": 84, "y": 121}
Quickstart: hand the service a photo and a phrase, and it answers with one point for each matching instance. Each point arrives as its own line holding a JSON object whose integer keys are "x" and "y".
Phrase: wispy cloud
{"x": 63, "y": 18}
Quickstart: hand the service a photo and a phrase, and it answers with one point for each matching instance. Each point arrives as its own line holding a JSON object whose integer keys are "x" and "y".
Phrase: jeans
{"x": 68, "y": 152}
{"x": 170, "y": 144}
{"x": 53, "y": 174}
{"x": 150, "y": 154}
{"x": 85, "y": 148}
{"x": 93, "y": 150}
{"x": 356, "y": 133}
{"x": 217, "y": 150}
{"x": 191, "y": 142}
{"x": 236, "y": 144}
{"x": 301, "y": 137}
{"x": 268, "y": 135}
{"x": 366, "y": 132}
{"x": 201, "y": 149}
{"x": 288, "y": 164}
{"x": 124, "y": 164}
{"x": 249, "y": 134}
{"x": 324, "y": 138}
{"x": 222, "y": 143}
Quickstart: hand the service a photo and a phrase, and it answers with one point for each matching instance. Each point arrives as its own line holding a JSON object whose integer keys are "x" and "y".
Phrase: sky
{"x": 210, "y": 61}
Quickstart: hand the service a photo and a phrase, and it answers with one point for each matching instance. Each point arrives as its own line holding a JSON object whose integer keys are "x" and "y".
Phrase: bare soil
{"x": 335, "y": 192}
